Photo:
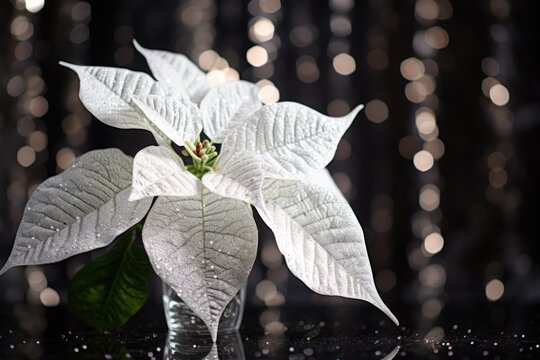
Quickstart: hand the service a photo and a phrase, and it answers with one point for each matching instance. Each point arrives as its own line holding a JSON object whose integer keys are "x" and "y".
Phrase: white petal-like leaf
{"x": 226, "y": 105}
{"x": 203, "y": 247}
{"x": 158, "y": 171}
{"x": 178, "y": 118}
{"x": 177, "y": 71}
{"x": 296, "y": 139}
{"x": 237, "y": 177}
{"x": 107, "y": 93}
{"x": 213, "y": 353}
{"x": 324, "y": 179}
{"x": 392, "y": 354}
{"x": 321, "y": 239}
{"x": 81, "y": 209}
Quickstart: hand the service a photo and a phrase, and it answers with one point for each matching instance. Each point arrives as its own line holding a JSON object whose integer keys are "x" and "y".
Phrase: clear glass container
{"x": 186, "y": 346}
{"x": 180, "y": 318}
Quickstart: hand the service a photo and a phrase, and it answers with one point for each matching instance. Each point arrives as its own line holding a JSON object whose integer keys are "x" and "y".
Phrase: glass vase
{"x": 180, "y": 318}
{"x": 186, "y": 346}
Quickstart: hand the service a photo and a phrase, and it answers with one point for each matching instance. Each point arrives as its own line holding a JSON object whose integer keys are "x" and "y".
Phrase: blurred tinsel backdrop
{"x": 441, "y": 167}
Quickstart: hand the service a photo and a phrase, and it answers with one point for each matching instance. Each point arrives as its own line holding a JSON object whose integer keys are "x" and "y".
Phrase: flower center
{"x": 203, "y": 155}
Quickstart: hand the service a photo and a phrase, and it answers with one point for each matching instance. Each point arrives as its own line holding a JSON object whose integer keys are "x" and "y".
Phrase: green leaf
{"x": 111, "y": 289}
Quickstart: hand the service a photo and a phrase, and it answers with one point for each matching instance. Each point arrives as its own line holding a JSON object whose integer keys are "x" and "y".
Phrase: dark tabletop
{"x": 321, "y": 332}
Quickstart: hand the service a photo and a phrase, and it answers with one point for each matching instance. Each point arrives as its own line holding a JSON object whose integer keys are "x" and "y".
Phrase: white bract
{"x": 200, "y": 234}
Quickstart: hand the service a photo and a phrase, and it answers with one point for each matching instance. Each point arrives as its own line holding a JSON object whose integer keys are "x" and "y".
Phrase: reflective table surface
{"x": 322, "y": 332}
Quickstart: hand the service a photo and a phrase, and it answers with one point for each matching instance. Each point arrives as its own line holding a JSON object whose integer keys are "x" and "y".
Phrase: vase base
{"x": 180, "y": 318}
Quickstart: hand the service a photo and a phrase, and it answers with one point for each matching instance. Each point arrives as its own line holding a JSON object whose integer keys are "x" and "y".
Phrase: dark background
{"x": 482, "y": 191}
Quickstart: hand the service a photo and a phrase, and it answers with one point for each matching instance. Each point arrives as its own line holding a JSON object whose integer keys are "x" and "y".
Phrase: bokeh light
{"x": 376, "y": 111}
{"x": 423, "y": 160}
{"x": 433, "y": 243}
{"x": 499, "y": 95}
{"x": 34, "y": 6}
{"x": 494, "y": 290}
{"x": 344, "y": 64}
{"x": 257, "y": 56}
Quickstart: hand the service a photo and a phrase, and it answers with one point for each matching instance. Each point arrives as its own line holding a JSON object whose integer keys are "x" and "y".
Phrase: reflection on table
{"x": 183, "y": 345}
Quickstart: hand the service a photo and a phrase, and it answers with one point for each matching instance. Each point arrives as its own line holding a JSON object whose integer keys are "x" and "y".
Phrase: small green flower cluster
{"x": 203, "y": 154}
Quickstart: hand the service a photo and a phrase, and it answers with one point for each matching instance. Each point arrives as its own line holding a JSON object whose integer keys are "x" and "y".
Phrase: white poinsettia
{"x": 200, "y": 234}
